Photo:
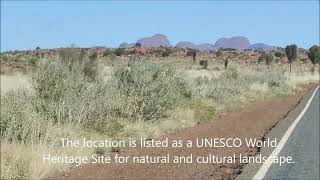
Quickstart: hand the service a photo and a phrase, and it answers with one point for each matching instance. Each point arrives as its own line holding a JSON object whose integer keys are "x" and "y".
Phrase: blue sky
{"x": 51, "y": 24}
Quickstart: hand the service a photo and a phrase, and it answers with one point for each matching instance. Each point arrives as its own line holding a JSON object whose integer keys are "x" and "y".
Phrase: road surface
{"x": 303, "y": 146}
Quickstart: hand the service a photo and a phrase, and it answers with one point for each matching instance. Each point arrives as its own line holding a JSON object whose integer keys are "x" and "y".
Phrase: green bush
{"x": 62, "y": 95}
{"x": 21, "y": 122}
{"x": 33, "y": 61}
{"x": 119, "y": 51}
{"x": 146, "y": 90}
{"x": 65, "y": 92}
{"x": 273, "y": 80}
{"x": 230, "y": 84}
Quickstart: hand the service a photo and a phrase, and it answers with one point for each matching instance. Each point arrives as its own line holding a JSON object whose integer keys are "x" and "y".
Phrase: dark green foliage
{"x": 314, "y": 54}
{"x": 193, "y": 53}
{"x": 204, "y": 64}
{"x": 292, "y": 53}
{"x": 226, "y": 62}
{"x": 33, "y": 61}
{"x": 279, "y": 54}
{"x": 93, "y": 57}
{"x": 165, "y": 54}
{"x": 137, "y": 45}
{"x": 119, "y": 51}
{"x": 262, "y": 57}
{"x": 269, "y": 59}
{"x": 147, "y": 90}
{"x": 107, "y": 52}
{"x": 219, "y": 53}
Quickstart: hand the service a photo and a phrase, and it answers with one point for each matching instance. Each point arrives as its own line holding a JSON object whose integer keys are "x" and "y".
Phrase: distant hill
{"x": 185, "y": 44}
{"x": 201, "y": 47}
{"x": 236, "y": 42}
{"x": 261, "y": 46}
{"x": 154, "y": 41}
{"x": 205, "y": 47}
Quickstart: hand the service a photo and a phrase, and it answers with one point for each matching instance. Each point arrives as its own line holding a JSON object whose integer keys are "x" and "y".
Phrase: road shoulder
{"x": 249, "y": 170}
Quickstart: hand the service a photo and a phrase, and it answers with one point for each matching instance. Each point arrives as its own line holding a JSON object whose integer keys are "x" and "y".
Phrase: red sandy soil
{"x": 254, "y": 121}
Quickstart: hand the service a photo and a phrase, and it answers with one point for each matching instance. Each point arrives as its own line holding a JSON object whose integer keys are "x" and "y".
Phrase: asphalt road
{"x": 303, "y": 146}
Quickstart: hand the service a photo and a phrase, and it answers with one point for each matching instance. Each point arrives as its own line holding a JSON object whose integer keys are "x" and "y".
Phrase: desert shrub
{"x": 91, "y": 66}
{"x": 33, "y": 60}
{"x": 107, "y": 53}
{"x": 219, "y": 53}
{"x": 66, "y": 94}
{"x": 146, "y": 90}
{"x": 226, "y": 62}
{"x": 269, "y": 57}
{"x": 62, "y": 95}
{"x": 279, "y": 54}
{"x": 72, "y": 55}
{"x": 4, "y": 58}
{"x": 137, "y": 45}
{"x": 204, "y": 64}
{"x": 16, "y": 111}
{"x": 231, "y": 74}
{"x": 262, "y": 57}
{"x": 119, "y": 51}
{"x": 273, "y": 79}
{"x": 165, "y": 53}
{"x": 18, "y": 169}
{"x": 21, "y": 122}
{"x": 231, "y": 84}
{"x": 202, "y": 110}
{"x": 193, "y": 53}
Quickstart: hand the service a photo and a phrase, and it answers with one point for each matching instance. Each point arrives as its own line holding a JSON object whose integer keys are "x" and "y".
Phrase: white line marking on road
{"x": 267, "y": 164}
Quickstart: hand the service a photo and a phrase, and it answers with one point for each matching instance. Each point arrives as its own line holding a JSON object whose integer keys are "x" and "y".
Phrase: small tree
{"x": 292, "y": 53}
{"x": 279, "y": 54}
{"x": 314, "y": 55}
{"x": 219, "y": 53}
{"x": 119, "y": 51}
{"x": 193, "y": 53}
{"x": 226, "y": 62}
{"x": 269, "y": 59}
{"x": 107, "y": 52}
{"x": 137, "y": 45}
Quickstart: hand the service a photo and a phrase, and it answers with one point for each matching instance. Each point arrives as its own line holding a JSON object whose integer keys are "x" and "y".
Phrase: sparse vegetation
{"x": 140, "y": 97}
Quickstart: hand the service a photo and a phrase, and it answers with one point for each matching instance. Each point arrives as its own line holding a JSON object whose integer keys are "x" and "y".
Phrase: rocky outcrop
{"x": 156, "y": 40}
{"x": 237, "y": 42}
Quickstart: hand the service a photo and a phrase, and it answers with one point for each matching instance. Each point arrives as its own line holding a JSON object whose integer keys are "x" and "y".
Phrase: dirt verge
{"x": 252, "y": 122}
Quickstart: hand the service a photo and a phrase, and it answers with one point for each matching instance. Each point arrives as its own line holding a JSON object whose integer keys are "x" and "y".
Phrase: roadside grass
{"x": 132, "y": 99}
